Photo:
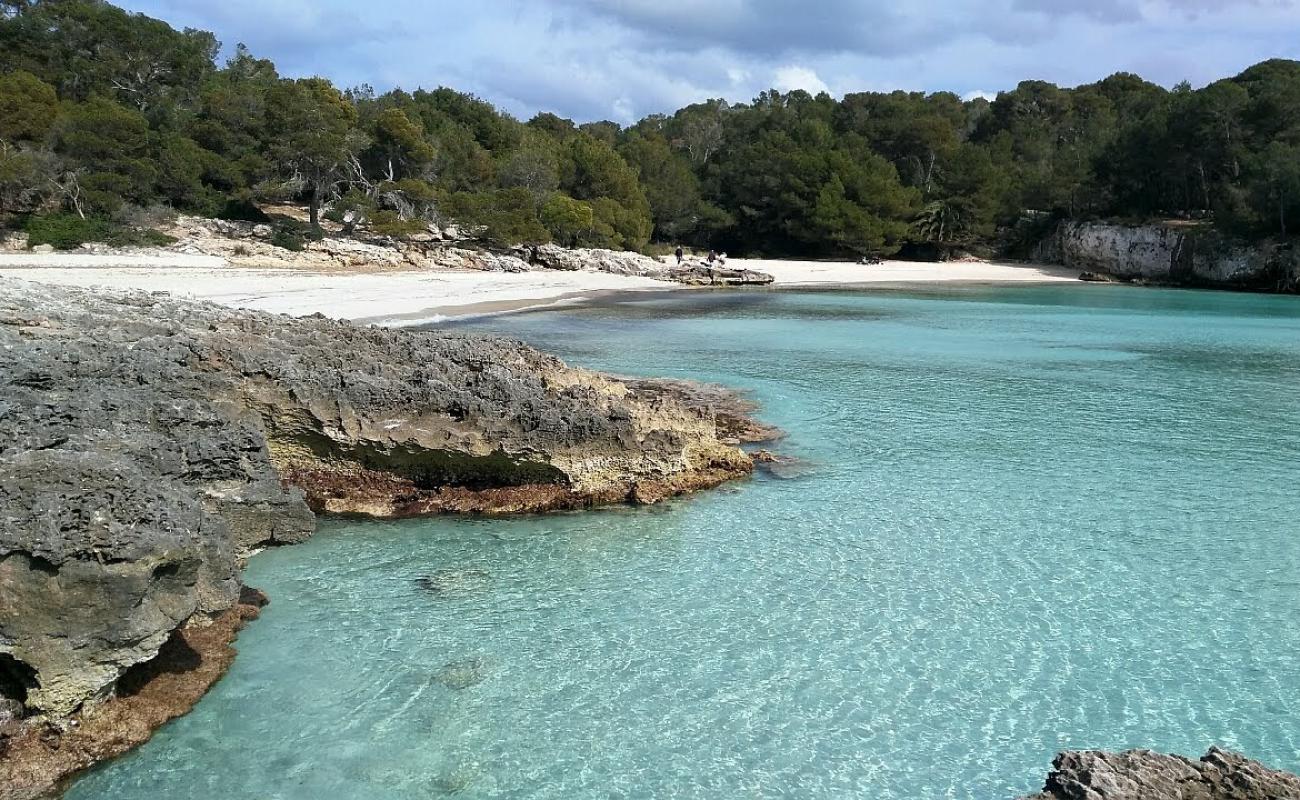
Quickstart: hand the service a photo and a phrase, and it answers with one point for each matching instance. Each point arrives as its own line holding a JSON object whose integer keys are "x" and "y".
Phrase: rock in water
{"x": 461, "y": 675}
{"x": 1144, "y": 775}
{"x": 147, "y": 444}
{"x": 455, "y": 582}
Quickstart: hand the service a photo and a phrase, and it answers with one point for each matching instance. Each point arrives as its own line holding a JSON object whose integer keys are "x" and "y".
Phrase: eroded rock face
{"x": 99, "y": 562}
{"x": 147, "y": 443}
{"x": 550, "y": 256}
{"x": 1144, "y": 775}
{"x": 1170, "y": 254}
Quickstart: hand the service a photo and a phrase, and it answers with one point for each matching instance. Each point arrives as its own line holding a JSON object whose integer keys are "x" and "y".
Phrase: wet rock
{"x": 455, "y": 582}
{"x": 732, "y": 412}
{"x": 461, "y": 675}
{"x": 1098, "y": 277}
{"x": 147, "y": 444}
{"x": 1145, "y": 775}
{"x": 780, "y": 466}
{"x": 37, "y": 755}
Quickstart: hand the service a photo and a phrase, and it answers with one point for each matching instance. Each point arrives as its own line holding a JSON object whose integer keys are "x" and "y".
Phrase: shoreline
{"x": 418, "y": 297}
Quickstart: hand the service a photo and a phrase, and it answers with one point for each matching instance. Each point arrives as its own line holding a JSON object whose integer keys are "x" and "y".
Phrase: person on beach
{"x": 713, "y": 256}
{"x": 680, "y": 255}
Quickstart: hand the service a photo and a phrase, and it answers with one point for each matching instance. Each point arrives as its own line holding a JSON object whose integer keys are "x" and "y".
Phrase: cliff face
{"x": 146, "y": 444}
{"x": 1172, "y": 255}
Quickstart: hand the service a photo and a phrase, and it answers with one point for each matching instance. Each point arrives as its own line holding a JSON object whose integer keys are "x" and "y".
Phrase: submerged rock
{"x": 451, "y": 582}
{"x": 147, "y": 444}
{"x": 461, "y": 675}
{"x": 1144, "y": 775}
{"x": 780, "y": 466}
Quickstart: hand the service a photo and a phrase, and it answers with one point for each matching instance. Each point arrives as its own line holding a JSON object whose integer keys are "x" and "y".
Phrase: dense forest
{"x": 109, "y": 119}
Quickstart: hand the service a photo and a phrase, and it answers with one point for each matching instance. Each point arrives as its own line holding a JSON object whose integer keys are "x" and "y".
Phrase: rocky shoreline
{"x": 1171, "y": 254}
{"x": 252, "y": 245}
{"x": 150, "y": 445}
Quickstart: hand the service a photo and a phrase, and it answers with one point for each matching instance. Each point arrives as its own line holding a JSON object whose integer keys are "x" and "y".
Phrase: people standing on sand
{"x": 680, "y": 255}
{"x": 713, "y": 256}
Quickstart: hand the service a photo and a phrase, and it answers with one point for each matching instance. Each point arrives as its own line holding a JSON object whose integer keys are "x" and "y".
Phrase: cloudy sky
{"x": 623, "y": 59}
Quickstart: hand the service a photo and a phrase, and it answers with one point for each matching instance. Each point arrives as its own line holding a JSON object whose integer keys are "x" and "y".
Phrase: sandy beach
{"x": 414, "y": 297}
{"x": 847, "y": 273}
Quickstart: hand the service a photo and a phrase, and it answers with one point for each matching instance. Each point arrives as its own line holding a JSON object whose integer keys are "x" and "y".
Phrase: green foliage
{"x": 566, "y": 219}
{"x": 25, "y": 178}
{"x": 242, "y": 208}
{"x": 109, "y": 143}
{"x": 28, "y": 107}
{"x": 68, "y": 231}
{"x": 292, "y": 235}
{"x": 102, "y": 111}
{"x": 400, "y": 145}
{"x": 311, "y": 125}
{"x": 500, "y": 217}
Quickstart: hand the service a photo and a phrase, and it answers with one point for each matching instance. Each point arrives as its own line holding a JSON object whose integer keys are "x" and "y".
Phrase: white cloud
{"x": 787, "y": 79}
{"x": 977, "y": 93}
{"x": 593, "y": 59}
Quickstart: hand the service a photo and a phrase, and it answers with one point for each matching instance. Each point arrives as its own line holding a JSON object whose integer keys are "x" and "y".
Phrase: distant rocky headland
{"x": 149, "y": 445}
{"x": 1172, "y": 254}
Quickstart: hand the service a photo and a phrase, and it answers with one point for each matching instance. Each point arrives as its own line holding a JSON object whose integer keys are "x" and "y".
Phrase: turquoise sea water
{"x": 1028, "y": 519}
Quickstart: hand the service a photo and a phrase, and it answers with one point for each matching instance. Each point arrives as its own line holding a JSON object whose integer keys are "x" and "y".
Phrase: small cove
{"x": 1028, "y": 519}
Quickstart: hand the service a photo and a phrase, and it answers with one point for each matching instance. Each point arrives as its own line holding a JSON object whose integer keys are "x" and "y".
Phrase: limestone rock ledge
{"x": 1144, "y": 775}
{"x": 1169, "y": 254}
{"x": 148, "y": 444}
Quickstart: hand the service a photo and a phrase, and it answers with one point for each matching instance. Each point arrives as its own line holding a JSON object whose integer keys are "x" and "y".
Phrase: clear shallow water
{"x": 1033, "y": 519}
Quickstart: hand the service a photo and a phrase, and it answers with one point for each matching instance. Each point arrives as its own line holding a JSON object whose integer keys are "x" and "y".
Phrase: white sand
{"x": 808, "y": 273}
{"x": 392, "y": 298}
{"x": 419, "y": 296}
{"x": 124, "y": 261}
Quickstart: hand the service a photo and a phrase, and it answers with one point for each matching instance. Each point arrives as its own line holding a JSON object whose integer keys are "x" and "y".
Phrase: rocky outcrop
{"x": 1144, "y": 775}
{"x": 550, "y": 256}
{"x": 1174, "y": 254}
{"x": 705, "y": 275}
{"x": 38, "y": 756}
{"x": 248, "y": 244}
{"x": 146, "y": 444}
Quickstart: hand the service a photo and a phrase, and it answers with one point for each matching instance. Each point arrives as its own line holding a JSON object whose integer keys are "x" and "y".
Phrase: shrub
{"x": 390, "y": 223}
{"x": 242, "y": 209}
{"x": 293, "y": 235}
{"x": 68, "y": 231}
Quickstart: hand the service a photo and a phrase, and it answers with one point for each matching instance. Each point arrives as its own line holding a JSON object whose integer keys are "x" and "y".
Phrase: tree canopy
{"x": 104, "y": 112}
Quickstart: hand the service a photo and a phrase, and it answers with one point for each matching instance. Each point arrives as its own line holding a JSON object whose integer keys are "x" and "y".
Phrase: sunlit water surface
{"x": 1030, "y": 519}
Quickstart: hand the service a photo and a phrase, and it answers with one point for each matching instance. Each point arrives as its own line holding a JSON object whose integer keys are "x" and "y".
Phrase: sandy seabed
{"x": 414, "y": 297}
